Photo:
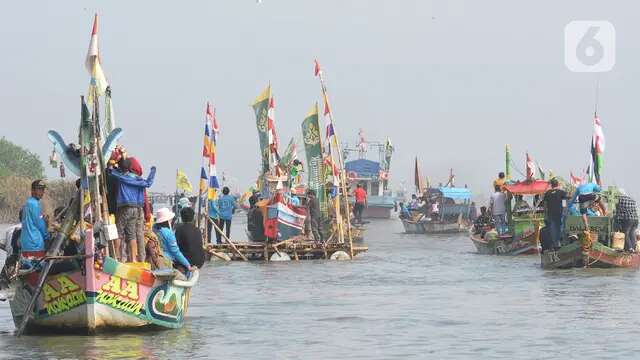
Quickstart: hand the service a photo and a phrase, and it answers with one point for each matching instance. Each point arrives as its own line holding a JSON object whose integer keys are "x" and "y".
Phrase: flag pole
{"x": 343, "y": 182}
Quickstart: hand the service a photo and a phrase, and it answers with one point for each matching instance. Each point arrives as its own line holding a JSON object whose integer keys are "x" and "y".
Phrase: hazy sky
{"x": 449, "y": 81}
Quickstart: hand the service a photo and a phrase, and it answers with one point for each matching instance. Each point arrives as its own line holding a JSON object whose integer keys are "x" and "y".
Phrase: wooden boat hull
{"x": 289, "y": 223}
{"x": 597, "y": 256}
{"x": 113, "y": 296}
{"x": 428, "y": 227}
{"x": 506, "y": 246}
{"x": 377, "y": 212}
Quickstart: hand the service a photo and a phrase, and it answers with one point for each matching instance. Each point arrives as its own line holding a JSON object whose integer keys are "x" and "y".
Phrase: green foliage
{"x": 17, "y": 161}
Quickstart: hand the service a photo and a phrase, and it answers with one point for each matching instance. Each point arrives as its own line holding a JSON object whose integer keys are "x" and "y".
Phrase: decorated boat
{"x": 373, "y": 175}
{"x": 276, "y": 223}
{"x": 452, "y": 216}
{"x": 598, "y": 246}
{"x": 593, "y": 249}
{"x": 101, "y": 295}
{"x": 79, "y": 285}
{"x": 523, "y": 234}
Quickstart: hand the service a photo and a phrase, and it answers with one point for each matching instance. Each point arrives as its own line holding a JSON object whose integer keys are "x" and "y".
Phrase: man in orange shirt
{"x": 361, "y": 201}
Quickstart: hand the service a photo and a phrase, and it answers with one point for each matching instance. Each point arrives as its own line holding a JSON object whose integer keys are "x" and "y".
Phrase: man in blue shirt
{"x": 587, "y": 195}
{"x": 34, "y": 227}
{"x": 226, "y": 207}
{"x": 130, "y": 217}
{"x": 214, "y": 218}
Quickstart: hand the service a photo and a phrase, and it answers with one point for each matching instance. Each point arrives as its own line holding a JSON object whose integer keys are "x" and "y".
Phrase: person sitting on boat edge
{"x": 413, "y": 205}
{"x": 498, "y": 208}
{"x": 626, "y": 219}
{"x": 404, "y": 212}
{"x": 34, "y": 225}
{"x": 189, "y": 238}
{"x": 171, "y": 251}
{"x": 587, "y": 195}
{"x": 483, "y": 222}
{"x": 554, "y": 210}
{"x": 521, "y": 205}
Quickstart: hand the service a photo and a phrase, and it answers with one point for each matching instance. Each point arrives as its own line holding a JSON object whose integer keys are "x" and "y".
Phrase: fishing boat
{"x": 452, "y": 217}
{"x": 88, "y": 289}
{"x": 523, "y": 234}
{"x": 373, "y": 175}
{"x": 593, "y": 249}
{"x": 275, "y": 225}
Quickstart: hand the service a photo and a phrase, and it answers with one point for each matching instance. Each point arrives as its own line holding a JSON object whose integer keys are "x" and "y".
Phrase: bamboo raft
{"x": 295, "y": 248}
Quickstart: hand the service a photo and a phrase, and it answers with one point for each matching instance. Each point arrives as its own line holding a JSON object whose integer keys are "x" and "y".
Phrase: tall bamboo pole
{"x": 343, "y": 180}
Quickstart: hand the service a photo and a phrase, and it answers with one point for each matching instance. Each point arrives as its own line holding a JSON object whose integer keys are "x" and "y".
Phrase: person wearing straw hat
{"x": 171, "y": 251}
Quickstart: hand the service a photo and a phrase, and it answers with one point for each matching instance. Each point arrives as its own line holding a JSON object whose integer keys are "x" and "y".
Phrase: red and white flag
{"x": 317, "y": 69}
{"x": 92, "y": 61}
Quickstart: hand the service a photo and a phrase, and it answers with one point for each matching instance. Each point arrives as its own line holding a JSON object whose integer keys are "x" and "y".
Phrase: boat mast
{"x": 343, "y": 180}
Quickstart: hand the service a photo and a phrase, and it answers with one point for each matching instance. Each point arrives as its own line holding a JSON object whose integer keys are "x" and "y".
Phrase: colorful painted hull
{"x": 289, "y": 223}
{"x": 597, "y": 256}
{"x": 526, "y": 245}
{"x": 111, "y": 296}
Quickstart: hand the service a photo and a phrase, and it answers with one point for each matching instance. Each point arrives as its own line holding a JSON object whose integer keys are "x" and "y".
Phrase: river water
{"x": 410, "y": 296}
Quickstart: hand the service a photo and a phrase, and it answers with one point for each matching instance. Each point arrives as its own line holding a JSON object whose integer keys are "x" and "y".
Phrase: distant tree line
{"x": 18, "y": 168}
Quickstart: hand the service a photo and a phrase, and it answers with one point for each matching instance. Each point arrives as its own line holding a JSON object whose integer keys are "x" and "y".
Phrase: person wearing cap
{"x": 34, "y": 227}
{"x": 130, "y": 213}
{"x": 170, "y": 249}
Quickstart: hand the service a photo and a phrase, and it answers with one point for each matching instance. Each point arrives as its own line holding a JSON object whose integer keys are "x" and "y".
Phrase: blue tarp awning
{"x": 363, "y": 168}
{"x": 455, "y": 193}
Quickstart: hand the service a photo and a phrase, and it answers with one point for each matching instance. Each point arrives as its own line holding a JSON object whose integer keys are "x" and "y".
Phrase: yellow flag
{"x": 182, "y": 182}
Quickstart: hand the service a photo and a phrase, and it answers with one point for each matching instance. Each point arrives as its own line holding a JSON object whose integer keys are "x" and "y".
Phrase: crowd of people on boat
{"x": 165, "y": 244}
{"x": 556, "y": 204}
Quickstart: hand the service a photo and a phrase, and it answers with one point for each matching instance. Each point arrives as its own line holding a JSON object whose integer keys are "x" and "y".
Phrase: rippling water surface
{"x": 410, "y": 296}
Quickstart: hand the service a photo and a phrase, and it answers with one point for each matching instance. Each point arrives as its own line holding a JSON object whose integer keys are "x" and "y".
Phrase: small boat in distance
{"x": 372, "y": 175}
{"x": 453, "y": 206}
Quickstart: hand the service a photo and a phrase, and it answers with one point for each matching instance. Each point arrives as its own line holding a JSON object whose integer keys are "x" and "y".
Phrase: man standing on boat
{"x": 360, "y": 195}
{"x": 313, "y": 210}
{"x": 626, "y": 219}
{"x": 130, "y": 214}
{"x": 497, "y": 205}
{"x": 500, "y": 180}
{"x": 34, "y": 227}
{"x": 226, "y": 207}
{"x": 553, "y": 206}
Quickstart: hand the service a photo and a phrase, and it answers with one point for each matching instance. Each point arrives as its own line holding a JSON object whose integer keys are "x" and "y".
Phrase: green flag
{"x": 261, "y": 109}
{"x": 313, "y": 149}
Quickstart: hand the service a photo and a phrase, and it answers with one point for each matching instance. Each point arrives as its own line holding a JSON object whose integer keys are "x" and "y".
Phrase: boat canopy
{"x": 535, "y": 187}
{"x": 455, "y": 193}
{"x": 363, "y": 168}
